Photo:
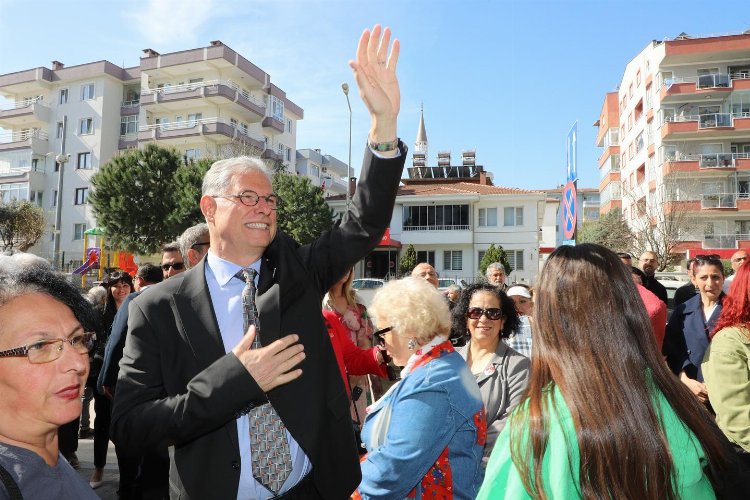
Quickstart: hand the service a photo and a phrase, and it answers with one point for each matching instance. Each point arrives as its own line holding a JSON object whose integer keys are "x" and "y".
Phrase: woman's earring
{"x": 411, "y": 344}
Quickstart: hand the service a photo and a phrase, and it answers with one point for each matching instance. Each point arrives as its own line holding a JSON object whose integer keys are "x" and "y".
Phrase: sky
{"x": 505, "y": 78}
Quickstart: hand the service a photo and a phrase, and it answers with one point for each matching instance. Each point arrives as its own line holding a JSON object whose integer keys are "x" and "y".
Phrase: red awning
{"x": 387, "y": 241}
{"x": 724, "y": 253}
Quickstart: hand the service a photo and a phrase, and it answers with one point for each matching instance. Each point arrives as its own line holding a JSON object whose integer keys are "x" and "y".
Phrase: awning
{"x": 387, "y": 241}
{"x": 724, "y": 253}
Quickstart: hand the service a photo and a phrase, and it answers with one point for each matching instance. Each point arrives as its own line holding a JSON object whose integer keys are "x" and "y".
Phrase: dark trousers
{"x": 67, "y": 438}
{"x": 304, "y": 490}
{"x": 103, "y": 409}
{"x": 154, "y": 475}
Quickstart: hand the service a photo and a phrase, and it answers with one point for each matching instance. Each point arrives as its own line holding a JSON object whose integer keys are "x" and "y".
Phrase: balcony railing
{"x": 715, "y": 120}
{"x": 449, "y": 227}
{"x": 23, "y": 135}
{"x": 710, "y": 160}
{"x": 22, "y": 104}
{"x": 130, "y": 104}
{"x": 719, "y": 200}
{"x": 189, "y": 87}
{"x": 189, "y": 124}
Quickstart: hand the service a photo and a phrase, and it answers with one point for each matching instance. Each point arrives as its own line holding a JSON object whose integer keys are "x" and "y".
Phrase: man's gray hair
{"x": 493, "y": 266}
{"x": 219, "y": 177}
{"x": 192, "y": 235}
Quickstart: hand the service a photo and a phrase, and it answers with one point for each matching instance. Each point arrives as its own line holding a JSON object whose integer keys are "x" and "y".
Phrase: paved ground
{"x": 108, "y": 490}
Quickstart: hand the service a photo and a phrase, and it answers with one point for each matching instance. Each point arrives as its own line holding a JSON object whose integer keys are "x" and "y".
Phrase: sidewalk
{"x": 108, "y": 490}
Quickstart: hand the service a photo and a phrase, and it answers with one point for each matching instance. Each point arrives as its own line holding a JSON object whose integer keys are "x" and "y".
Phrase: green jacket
{"x": 727, "y": 375}
{"x": 561, "y": 461}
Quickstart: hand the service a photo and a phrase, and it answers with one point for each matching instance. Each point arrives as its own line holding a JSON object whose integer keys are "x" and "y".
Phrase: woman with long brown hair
{"x": 603, "y": 416}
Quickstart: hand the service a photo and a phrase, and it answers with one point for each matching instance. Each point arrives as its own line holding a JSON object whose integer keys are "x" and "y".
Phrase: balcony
{"x": 695, "y": 87}
{"x": 437, "y": 228}
{"x": 270, "y": 154}
{"x": 218, "y": 130}
{"x": 273, "y": 123}
{"x": 35, "y": 139}
{"x": 220, "y": 92}
{"x": 719, "y": 200}
{"x": 724, "y": 240}
{"x": 25, "y": 114}
{"x": 129, "y": 108}
{"x": 714, "y": 125}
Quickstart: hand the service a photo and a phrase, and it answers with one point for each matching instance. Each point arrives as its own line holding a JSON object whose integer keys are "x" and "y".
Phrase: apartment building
{"x": 208, "y": 101}
{"x": 325, "y": 171}
{"x": 680, "y": 123}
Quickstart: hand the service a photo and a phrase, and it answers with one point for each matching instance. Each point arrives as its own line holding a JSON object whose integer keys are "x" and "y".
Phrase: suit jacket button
{"x": 235, "y": 465}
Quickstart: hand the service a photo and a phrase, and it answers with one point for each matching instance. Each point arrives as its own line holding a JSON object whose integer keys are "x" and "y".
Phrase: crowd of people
{"x": 243, "y": 366}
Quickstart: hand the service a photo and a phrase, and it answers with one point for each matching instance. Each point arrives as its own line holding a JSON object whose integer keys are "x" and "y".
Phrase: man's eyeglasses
{"x": 45, "y": 351}
{"x": 200, "y": 244}
{"x": 176, "y": 265}
{"x": 379, "y": 335}
{"x": 492, "y": 313}
{"x": 251, "y": 198}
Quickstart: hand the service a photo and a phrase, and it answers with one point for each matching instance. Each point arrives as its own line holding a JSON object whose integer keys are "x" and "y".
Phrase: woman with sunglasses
{"x": 488, "y": 315}
{"x": 603, "y": 416}
{"x": 44, "y": 348}
{"x": 425, "y": 436}
{"x": 687, "y": 335}
{"x": 119, "y": 285}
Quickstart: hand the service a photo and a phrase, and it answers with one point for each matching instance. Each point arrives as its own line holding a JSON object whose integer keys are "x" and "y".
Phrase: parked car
{"x": 444, "y": 283}
{"x": 366, "y": 288}
{"x": 671, "y": 281}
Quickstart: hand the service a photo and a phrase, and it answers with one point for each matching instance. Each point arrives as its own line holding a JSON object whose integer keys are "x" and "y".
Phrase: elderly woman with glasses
{"x": 425, "y": 436}
{"x": 687, "y": 335}
{"x": 45, "y": 339}
{"x": 488, "y": 315}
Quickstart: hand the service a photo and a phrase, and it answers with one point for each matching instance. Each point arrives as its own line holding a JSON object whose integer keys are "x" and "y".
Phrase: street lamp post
{"x": 61, "y": 160}
{"x": 345, "y": 88}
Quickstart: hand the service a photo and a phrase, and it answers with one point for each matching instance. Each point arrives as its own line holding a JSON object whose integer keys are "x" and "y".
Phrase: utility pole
{"x": 61, "y": 160}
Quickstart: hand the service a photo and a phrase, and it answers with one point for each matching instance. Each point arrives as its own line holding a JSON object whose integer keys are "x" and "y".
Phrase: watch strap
{"x": 383, "y": 147}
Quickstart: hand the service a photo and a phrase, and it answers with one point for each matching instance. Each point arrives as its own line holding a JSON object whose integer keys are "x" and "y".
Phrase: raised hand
{"x": 375, "y": 72}
{"x": 270, "y": 366}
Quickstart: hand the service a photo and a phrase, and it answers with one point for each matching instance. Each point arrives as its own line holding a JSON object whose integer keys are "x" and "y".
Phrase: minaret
{"x": 419, "y": 157}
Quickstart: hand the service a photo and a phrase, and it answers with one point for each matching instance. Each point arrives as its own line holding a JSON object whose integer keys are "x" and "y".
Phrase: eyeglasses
{"x": 45, "y": 351}
{"x": 200, "y": 244}
{"x": 492, "y": 313}
{"x": 251, "y": 198}
{"x": 379, "y": 335}
{"x": 176, "y": 265}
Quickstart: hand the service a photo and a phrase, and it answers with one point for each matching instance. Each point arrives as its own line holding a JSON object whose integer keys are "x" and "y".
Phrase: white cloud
{"x": 165, "y": 21}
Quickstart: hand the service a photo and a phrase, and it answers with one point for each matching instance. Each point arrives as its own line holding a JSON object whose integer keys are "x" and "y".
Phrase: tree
{"x": 303, "y": 213}
{"x": 21, "y": 225}
{"x": 188, "y": 183}
{"x": 495, "y": 254}
{"x": 134, "y": 198}
{"x": 408, "y": 260}
{"x": 610, "y": 230}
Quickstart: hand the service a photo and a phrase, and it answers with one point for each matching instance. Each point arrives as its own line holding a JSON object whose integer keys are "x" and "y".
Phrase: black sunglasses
{"x": 379, "y": 335}
{"x": 200, "y": 244}
{"x": 492, "y": 313}
{"x": 176, "y": 265}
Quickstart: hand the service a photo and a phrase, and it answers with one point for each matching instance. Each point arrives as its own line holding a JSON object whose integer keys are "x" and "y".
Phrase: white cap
{"x": 521, "y": 291}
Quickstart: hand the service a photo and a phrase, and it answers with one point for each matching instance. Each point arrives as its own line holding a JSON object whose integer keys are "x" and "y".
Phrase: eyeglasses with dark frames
{"x": 492, "y": 313}
{"x": 48, "y": 350}
{"x": 378, "y": 335}
{"x": 176, "y": 265}
{"x": 200, "y": 244}
{"x": 250, "y": 198}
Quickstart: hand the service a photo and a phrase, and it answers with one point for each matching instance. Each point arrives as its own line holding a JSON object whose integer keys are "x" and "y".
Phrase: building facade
{"x": 676, "y": 137}
{"x": 325, "y": 171}
{"x": 205, "y": 102}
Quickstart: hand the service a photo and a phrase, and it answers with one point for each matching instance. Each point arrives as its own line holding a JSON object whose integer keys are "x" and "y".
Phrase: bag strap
{"x": 10, "y": 484}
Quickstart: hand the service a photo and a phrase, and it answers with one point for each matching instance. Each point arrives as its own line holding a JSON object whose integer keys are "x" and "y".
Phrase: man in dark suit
{"x": 188, "y": 375}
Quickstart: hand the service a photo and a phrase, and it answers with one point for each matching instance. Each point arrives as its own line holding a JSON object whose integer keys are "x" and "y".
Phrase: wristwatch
{"x": 383, "y": 147}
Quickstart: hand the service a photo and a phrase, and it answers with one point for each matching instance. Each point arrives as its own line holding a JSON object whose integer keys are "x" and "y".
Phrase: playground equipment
{"x": 94, "y": 255}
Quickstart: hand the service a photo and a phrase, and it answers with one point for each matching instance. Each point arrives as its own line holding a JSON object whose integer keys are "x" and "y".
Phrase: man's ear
{"x": 208, "y": 207}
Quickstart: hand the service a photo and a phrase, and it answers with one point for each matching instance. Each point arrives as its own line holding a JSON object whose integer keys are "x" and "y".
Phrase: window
{"x": 128, "y": 125}
{"x": 426, "y": 256}
{"x": 315, "y": 170}
{"x": 84, "y": 161}
{"x": 515, "y": 259}
{"x": 276, "y": 108}
{"x": 15, "y": 191}
{"x": 487, "y": 217}
{"x": 86, "y": 126}
{"x": 36, "y": 197}
{"x": 513, "y": 216}
{"x": 453, "y": 260}
{"x": 289, "y": 125}
{"x": 243, "y": 128}
{"x": 288, "y": 154}
{"x": 194, "y": 117}
{"x": 87, "y": 92}
{"x": 480, "y": 256}
{"x": 78, "y": 230}
{"x": 63, "y": 96}
{"x": 233, "y": 122}
{"x": 436, "y": 217}
{"x": 192, "y": 154}
{"x": 60, "y": 128}
{"x": 54, "y": 198}
{"x": 82, "y": 196}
